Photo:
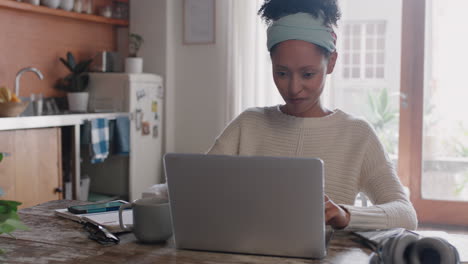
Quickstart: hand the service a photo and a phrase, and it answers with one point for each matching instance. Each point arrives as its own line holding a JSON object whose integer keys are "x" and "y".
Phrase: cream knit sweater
{"x": 354, "y": 159}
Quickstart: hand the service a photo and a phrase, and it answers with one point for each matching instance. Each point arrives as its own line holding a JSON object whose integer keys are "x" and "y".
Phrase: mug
{"x": 151, "y": 219}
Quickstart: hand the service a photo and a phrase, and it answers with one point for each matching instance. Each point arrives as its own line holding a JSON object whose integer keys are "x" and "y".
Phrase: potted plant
{"x": 9, "y": 219}
{"x": 133, "y": 63}
{"x": 75, "y": 83}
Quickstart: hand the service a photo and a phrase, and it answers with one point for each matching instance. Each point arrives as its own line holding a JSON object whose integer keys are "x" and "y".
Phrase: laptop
{"x": 254, "y": 205}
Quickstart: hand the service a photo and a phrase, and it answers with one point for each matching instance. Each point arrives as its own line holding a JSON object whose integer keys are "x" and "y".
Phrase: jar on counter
{"x": 106, "y": 11}
{"x": 89, "y": 7}
{"x": 67, "y": 5}
{"x": 78, "y": 6}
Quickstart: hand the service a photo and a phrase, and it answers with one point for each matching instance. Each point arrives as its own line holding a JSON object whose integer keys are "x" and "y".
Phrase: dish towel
{"x": 99, "y": 140}
{"x": 122, "y": 135}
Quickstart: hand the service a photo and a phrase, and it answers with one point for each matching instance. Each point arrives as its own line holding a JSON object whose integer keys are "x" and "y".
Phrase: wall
{"x": 199, "y": 82}
{"x": 31, "y": 39}
{"x": 195, "y": 75}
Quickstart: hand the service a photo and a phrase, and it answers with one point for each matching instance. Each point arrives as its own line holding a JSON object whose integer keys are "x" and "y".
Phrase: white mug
{"x": 151, "y": 219}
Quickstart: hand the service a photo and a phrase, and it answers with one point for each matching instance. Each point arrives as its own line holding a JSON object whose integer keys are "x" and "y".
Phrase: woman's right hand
{"x": 335, "y": 216}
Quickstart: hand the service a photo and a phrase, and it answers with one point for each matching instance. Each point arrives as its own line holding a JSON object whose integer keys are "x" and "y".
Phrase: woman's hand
{"x": 335, "y": 215}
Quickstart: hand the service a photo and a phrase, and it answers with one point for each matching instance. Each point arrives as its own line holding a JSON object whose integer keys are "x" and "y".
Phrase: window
{"x": 366, "y": 80}
{"x": 433, "y": 133}
{"x": 364, "y": 50}
{"x": 401, "y": 67}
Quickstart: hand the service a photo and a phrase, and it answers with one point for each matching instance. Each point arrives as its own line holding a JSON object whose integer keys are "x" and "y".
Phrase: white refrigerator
{"x": 141, "y": 95}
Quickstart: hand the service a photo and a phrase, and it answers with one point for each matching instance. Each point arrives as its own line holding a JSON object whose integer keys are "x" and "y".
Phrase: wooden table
{"x": 52, "y": 239}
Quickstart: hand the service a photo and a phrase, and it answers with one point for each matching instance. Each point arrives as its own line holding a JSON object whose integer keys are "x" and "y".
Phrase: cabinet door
{"x": 34, "y": 168}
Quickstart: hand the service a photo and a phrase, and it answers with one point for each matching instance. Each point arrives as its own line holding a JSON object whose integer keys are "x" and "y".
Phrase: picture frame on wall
{"x": 199, "y": 22}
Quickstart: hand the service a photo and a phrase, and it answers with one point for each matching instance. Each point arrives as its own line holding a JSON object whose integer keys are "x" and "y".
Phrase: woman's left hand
{"x": 335, "y": 215}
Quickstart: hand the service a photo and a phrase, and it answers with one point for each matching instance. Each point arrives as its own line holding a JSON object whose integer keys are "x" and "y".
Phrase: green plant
{"x": 381, "y": 111}
{"x": 461, "y": 186}
{"x": 381, "y": 116}
{"x": 77, "y": 80}
{"x": 9, "y": 219}
{"x": 135, "y": 42}
{"x": 461, "y": 148}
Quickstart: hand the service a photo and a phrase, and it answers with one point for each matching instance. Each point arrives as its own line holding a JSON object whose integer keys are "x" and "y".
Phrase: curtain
{"x": 250, "y": 82}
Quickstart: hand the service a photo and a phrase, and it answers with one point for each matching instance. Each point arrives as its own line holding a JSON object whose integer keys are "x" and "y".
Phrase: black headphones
{"x": 410, "y": 248}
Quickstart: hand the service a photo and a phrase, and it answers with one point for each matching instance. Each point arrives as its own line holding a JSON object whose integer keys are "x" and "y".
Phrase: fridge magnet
{"x": 145, "y": 128}
{"x": 140, "y": 94}
{"x": 155, "y": 131}
{"x": 154, "y": 107}
{"x": 156, "y": 116}
{"x": 160, "y": 93}
{"x": 138, "y": 119}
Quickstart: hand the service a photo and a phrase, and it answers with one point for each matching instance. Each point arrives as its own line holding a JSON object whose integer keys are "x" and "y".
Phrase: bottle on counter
{"x": 78, "y": 6}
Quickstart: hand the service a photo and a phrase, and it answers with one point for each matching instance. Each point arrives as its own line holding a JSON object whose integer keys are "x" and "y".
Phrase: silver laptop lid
{"x": 257, "y": 205}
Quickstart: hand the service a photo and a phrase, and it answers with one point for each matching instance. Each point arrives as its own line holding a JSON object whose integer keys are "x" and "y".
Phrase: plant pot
{"x": 78, "y": 102}
{"x": 134, "y": 65}
{"x": 67, "y": 5}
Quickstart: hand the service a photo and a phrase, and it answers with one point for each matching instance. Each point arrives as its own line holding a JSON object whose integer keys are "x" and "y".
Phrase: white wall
{"x": 197, "y": 89}
{"x": 195, "y": 75}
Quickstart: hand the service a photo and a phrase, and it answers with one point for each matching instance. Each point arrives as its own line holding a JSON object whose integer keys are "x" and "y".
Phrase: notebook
{"x": 109, "y": 220}
{"x": 254, "y": 205}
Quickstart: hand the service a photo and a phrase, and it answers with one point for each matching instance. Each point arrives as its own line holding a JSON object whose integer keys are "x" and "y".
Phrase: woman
{"x": 301, "y": 42}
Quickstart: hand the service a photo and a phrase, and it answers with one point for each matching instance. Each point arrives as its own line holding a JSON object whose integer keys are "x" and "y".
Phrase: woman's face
{"x": 299, "y": 71}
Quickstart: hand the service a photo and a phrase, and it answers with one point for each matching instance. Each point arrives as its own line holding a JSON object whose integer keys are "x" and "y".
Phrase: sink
{"x": 29, "y": 111}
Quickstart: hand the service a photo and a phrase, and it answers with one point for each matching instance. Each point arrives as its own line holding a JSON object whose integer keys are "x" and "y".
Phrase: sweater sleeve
{"x": 382, "y": 186}
{"x": 228, "y": 142}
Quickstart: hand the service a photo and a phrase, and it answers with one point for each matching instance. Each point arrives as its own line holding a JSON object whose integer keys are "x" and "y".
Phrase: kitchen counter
{"x": 28, "y": 122}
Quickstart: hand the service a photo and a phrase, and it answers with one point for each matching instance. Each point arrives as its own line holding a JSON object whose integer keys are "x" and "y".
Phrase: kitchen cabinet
{"x": 9, "y": 127}
{"x": 32, "y": 174}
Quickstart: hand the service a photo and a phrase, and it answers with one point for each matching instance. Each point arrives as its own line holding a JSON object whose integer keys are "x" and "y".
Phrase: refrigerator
{"x": 141, "y": 96}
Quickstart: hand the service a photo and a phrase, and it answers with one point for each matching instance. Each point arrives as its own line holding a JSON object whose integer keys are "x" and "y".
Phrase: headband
{"x": 301, "y": 26}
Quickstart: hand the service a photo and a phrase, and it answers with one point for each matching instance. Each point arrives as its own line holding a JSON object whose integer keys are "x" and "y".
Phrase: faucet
{"x": 21, "y": 72}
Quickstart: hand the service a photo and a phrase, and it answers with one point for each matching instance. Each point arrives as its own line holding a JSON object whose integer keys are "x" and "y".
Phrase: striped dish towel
{"x": 99, "y": 140}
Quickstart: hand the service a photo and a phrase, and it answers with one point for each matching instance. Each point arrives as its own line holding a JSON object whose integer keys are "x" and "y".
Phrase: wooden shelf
{"x": 10, "y": 4}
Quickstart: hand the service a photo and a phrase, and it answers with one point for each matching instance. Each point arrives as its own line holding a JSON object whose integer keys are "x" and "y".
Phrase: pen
{"x": 100, "y": 234}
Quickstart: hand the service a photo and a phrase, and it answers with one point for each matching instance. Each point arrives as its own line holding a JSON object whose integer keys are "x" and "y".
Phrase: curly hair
{"x": 272, "y": 10}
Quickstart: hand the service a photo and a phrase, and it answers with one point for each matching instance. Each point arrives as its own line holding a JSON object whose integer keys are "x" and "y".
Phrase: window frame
{"x": 362, "y": 65}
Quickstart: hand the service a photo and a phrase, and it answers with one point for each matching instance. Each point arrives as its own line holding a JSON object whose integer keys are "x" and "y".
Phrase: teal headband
{"x": 301, "y": 26}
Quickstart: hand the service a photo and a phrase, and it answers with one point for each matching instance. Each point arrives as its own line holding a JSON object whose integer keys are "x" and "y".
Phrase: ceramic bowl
{"x": 12, "y": 109}
{"x": 33, "y": 2}
{"x": 67, "y": 5}
{"x": 51, "y": 3}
